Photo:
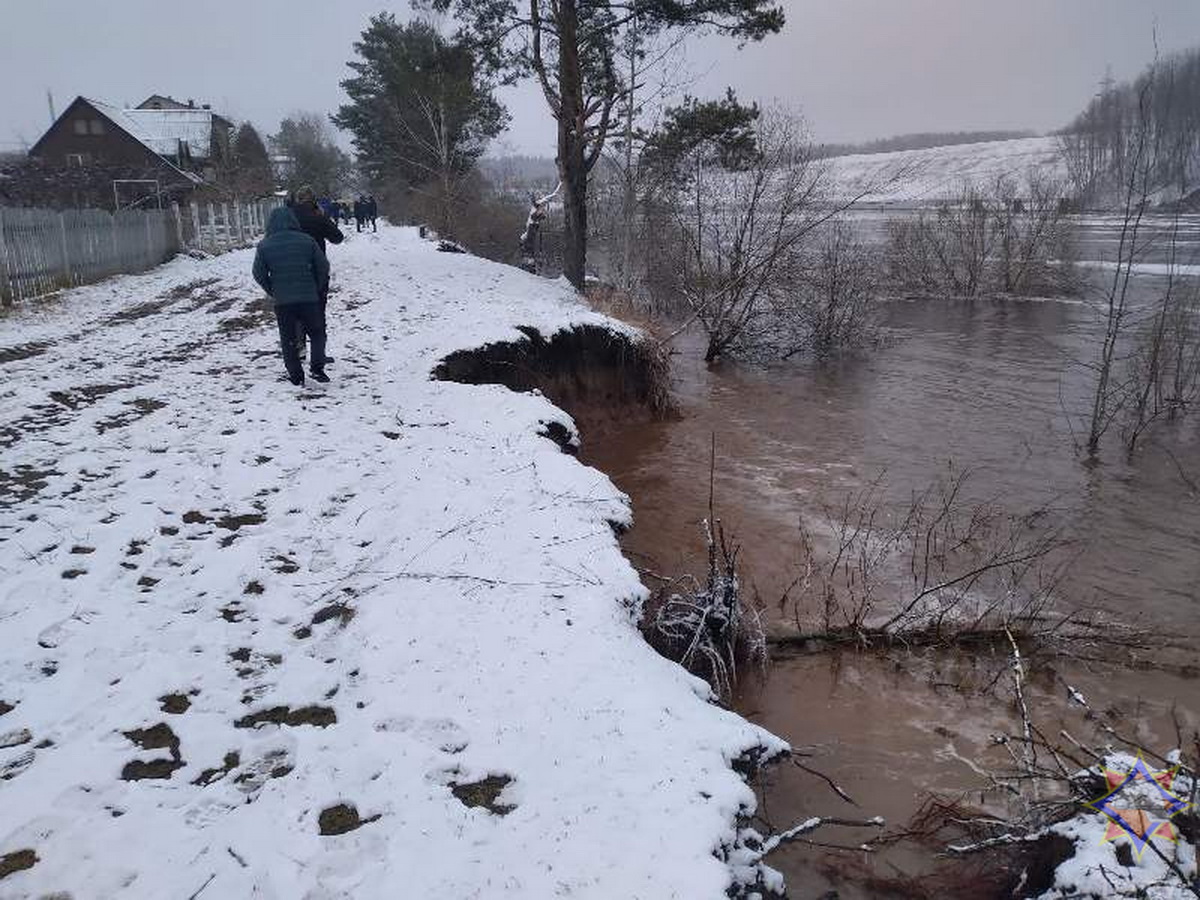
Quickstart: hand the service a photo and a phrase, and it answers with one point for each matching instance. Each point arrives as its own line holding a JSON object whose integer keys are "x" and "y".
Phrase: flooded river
{"x": 994, "y": 386}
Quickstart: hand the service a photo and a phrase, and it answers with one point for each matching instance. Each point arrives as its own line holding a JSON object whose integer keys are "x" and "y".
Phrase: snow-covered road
{"x": 229, "y": 606}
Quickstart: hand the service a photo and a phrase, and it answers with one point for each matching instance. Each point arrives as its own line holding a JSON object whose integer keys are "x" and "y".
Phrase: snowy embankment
{"x": 235, "y": 614}
{"x": 922, "y": 177}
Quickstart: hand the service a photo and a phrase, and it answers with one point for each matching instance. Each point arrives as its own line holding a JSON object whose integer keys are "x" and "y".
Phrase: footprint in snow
{"x": 442, "y": 734}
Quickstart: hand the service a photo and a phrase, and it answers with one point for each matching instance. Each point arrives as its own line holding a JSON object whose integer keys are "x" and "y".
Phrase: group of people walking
{"x": 363, "y": 208}
{"x": 291, "y": 265}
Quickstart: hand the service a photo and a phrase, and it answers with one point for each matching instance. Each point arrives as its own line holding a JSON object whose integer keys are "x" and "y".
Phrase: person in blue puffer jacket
{"x": 291, "y": 268}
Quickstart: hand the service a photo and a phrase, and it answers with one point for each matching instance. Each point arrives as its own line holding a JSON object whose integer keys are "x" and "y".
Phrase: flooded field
{"x": 994, "y": 386}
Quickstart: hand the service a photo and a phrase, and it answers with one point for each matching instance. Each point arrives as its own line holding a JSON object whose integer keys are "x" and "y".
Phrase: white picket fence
{"x": 43, "y": 250}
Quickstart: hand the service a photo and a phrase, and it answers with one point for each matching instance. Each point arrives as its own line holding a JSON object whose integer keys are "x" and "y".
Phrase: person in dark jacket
{"x": 360, "y": 212}
{"x": 291, "y": 268}
{"x": 372, "y": 211}
{"x": 320, "y": 228}
{"x": 313, "y": 221}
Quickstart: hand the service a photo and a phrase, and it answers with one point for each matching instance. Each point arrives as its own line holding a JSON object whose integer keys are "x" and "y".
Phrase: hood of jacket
{"x": 282, "y": 219}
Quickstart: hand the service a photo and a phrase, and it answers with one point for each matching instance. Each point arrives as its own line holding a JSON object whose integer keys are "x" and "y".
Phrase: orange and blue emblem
{"x": 1140, "y": 804}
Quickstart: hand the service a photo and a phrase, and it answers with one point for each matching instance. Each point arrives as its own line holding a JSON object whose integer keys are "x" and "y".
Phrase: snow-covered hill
{"x": 918, "y": 177}
{"x": 367, "y": 639}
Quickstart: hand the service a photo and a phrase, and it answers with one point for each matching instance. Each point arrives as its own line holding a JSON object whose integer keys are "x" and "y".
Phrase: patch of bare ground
{"x": 228, "y": 764}
{"x": 23, "y": 351}
{"x": 230, "y": 522}
{"x": 157, "y": 737}
{"x": 256, "y": 314}
{"x": 159, "y": 304}
{"x": 598, "y": 375}
{"x": 320, "y": 716}
{"x": 17, "y": 862}
{"x": 15, "y": 738}
{"x": 22, "y": 483}
{"x": 135, "y": 409}
{"x": 182, "y": 352}
{"x": 183, "y": 291}
{"x": 484, "y": 792}
{"x": 340, "y": 611}
{"x": 42, "y": 417}
{"x": 81, "y": 397}
{"x": 340, "y": 819}
{"x": 175, "y": 704}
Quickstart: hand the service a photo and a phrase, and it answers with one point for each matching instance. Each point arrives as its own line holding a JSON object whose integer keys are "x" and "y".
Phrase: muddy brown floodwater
{"x": 989, "y": 385}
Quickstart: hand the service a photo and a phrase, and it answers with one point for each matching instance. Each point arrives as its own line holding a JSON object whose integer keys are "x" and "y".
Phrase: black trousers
{"x": 296, "y": 321}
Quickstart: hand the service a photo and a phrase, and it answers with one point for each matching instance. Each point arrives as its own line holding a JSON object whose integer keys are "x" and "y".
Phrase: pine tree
{"x": 251, "y": 165}
{"x": 420, "y": 109}
{"x": 570, "y": 46}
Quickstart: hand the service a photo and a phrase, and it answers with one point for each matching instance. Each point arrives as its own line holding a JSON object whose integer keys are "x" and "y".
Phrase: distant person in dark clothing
{"x": 313, "y": 221}
{"x": 360, "y": 212}
{"x": 291, "y": 268}
{"x": 372, "y": 211}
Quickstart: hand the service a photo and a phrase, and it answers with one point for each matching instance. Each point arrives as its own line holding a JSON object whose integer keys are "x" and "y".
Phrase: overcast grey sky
{"x": 859, "y": 69}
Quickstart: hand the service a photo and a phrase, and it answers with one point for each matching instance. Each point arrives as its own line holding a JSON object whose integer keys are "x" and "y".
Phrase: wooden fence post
{"x": 149, "y": 239}
{"x": 179, "y": 244}
{"x": 196, "y": 233}
{"x": 7, "y": 291}
{"x": 66, "y": 255}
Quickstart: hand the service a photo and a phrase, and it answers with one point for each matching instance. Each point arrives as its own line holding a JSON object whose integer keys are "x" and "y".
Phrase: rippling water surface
{"x": 999, "y": 387}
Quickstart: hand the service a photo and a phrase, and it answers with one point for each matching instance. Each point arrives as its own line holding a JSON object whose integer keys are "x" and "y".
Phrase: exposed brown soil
{"x": 341, "y": 819}
{"x": 183, "y": 291}
{"x": 483, "y": 793}
{"x": 233, "y": 523}
{"x": 339, "y": 611}
{"x": 135, "y": 409}
{"x": 6, "y": 708}
{"x": 283, "y": 565}
{"x": 15, "y": 738}
{"x": 17, "y": 862}
{"x": 208, "y": 776}
{"x": 23, "y": 482}
{"x": 175, "y": 704}
{"x": 597, "y": 374}
{"x": 320, "y": 716}
{"x": 80, "y": 397}
{"x": 259, "y": 312}
{"x": 157, "y": 737}
{"x": 155, "y": 769}
{"x": 23, "y": 351}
